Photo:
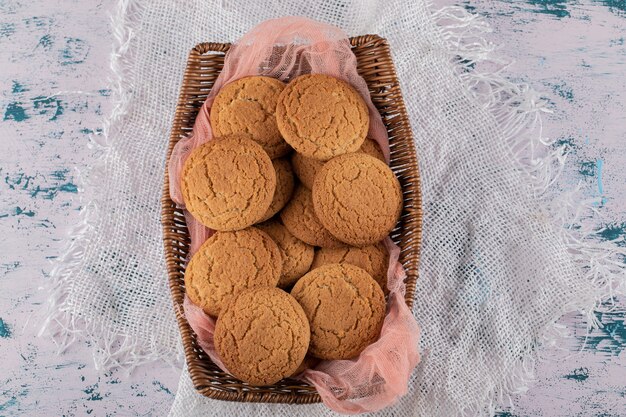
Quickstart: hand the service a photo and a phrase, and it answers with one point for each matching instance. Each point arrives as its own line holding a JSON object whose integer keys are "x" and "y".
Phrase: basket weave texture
{"x": 204, "y": 64}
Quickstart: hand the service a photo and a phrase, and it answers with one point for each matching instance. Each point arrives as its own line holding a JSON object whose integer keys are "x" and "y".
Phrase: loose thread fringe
{"x": 62, "y": 322}
{"x": 517, "y": 109}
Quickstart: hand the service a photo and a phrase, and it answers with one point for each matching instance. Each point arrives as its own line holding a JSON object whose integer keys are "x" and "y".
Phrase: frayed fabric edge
{"x": 517, "y": 109}
{"x": 61, "y": 323}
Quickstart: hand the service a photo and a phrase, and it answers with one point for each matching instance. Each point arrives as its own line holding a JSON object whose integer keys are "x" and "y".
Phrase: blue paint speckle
{"x": 74, "y": 52}
{"x": 22, "y": 181}
{"x": 15, "y": 111}
{"x": 504, "y": 414}
{"x": 48, "y": 105}
{"x": 25, "y": 182}
{"x": 87, "y": 131}
{"x": 105, "y": 92}
{"x": 161, "y": 387}
{"x": 45, "y": 42}
{"x": 568, "y": 143}
{"x": 555, "y": 8}
{"x": 587, "y": 168}
{"x": 469, "y": 7}
{"x": 613, "y": 232}
{"x": 10, "y": 267}
{"x": 579, "y": 375}
{"x": 68, "y": 188}
{"x": 93, "y": 394}
{"x": 5, "y": 330}
{"x": 7, "y": 29}
{"x": 12, "y": 402}
{"x": 18, "y": 211}
{"x": 60, "y": 174}
{"x": 610, "y": 339}
{"x": 38, "y": 21}
{"x": 18, "y": 88}
{"x": 49, "y": 193}
{"x": 615, "y": 6}
{"x": 563, "y": 90}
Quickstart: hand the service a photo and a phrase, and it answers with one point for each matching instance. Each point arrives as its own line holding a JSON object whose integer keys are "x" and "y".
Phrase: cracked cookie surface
{"x": 374, "y": 259}
{"x": 297, "y": 255}
{"x": 285, "y": 184}
{"x": 229, "y": 183}
{"x": 372, "y": 148}
{"x": 247, "y": 107}
{"x": 299, "y": 218}
{"x": 357, "y": 198}
{"x": 306, "y": 168}
{"x": 321, "y": 116}
{"x": 345, "y": 308}
{"x": 229, "y": 262}
{"x": 262, "y": 336}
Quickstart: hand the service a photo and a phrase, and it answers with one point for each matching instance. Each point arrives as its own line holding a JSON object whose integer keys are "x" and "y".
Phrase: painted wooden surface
{"x": 54, "y": 94}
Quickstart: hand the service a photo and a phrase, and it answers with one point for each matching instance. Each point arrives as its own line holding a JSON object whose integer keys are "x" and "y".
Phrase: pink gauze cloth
{"x": 285, "y": 48}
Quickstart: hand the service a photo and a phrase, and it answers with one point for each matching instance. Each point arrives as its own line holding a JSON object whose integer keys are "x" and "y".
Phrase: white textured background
{"x": 54, "y": 93}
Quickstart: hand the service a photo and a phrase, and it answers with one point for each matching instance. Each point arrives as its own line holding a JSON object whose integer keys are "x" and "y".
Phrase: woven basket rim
{"x": 176, "y": 240}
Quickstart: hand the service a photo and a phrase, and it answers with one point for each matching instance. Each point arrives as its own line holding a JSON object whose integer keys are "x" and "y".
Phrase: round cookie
{"x": 371, "y": 148}
{"x": 357, "y": 198}
{"x": 374, "y": 259}
{"x": 247, "y": 107}
{"x": 229, "y": 183}
{"x": 306, "y": 168}
{"x": 284, "y": 187}
{"x": 263, "y": 336}
{"x": 297, "y": 255}
{"x": 345, "y": 308}
{"x": 300, "y": 219}
{"x": 321, "y": 116}
{"x": 229, "y": 262}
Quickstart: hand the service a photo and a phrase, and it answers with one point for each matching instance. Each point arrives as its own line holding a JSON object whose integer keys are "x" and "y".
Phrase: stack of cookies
{"x": 300, "y": 201}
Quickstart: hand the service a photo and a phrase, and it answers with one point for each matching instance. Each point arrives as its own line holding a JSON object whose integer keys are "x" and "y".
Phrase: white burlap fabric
{"x": 501, "y": 260}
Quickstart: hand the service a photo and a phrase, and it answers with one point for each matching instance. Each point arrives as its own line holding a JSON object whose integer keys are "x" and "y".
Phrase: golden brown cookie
{"x": 284, "y": 187}
{"x": 321, "y": 116}
{"x": 300, "y": 219}
{"x": 228, "y": 184}
{"x": 229, "y": 262}
{"x": 374, "y": 259}
{"x": 262, "y": 336}
{"x": 345, "y": 308}
{"x": 247, "y": 107}
{"x": 371, "y": 148}
{"x": 306, "y": 168}
{"x": 297, "y": 255}
{"x": 357, "y": 198}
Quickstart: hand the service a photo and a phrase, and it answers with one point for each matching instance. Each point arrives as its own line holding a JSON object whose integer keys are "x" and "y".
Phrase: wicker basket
{"x": 203, "y": 66}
